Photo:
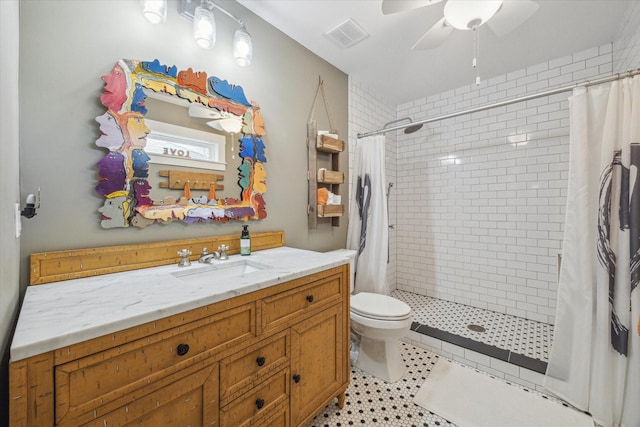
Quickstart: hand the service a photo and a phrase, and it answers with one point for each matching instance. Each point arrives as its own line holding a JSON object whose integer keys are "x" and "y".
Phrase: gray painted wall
{"x": 65, "y": 48}
{"x": 9, "y": 192}
{"x": 61, "y": 64}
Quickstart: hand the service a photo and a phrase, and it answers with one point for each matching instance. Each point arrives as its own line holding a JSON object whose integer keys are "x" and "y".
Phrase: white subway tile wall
{"x": 478, "y": 201}
{"x": 626, "y": 47}
{"x": 481, "y": 197}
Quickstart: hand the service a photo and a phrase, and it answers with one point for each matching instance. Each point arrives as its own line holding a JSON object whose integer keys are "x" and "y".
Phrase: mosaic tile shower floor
{"x": 372, "y": 402}
{"x": 523, "y": 336}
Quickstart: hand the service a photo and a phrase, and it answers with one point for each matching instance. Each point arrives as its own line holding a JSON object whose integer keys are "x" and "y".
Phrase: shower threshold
{"x": 518, "y": 341}
{"x": 482, "y": 348}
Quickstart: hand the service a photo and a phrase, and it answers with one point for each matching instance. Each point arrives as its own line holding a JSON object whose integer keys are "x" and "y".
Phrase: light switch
{"x": 18, "y": 221}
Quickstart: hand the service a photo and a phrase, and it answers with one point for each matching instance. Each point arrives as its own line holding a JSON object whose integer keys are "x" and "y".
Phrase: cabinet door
{"x": 318, "y": 368}
{"x": 191, "y": 401}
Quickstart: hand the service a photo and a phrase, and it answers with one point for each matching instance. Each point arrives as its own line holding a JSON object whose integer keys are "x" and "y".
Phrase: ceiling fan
{"x": 220, "y": 120}
{"x": 501, "y": 17}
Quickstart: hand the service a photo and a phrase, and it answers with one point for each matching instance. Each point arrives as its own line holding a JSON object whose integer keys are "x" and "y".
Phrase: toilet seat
{"x": 379, "y": 307}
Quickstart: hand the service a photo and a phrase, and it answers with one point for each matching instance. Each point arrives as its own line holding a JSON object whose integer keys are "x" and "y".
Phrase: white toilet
{"x": 379, "y": 321}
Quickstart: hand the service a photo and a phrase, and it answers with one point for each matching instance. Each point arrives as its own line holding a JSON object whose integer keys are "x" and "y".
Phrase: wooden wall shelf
{"x": 330, "y": 211}
{"x": 330, "y": 178}
{"x": 327, "y": 144}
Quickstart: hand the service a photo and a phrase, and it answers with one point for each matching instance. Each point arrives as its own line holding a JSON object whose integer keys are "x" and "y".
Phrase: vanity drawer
{"x": 288, "y": 306}
{"x": 190, "y": 401}
{"x": 258, "y": 406}
{"x": 245, "y": 369}
{"x": 280, "y": 419}
{"x": 114, "y": 374}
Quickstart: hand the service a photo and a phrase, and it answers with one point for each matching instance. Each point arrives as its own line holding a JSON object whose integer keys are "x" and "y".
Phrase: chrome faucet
{"x": 205, "y": 256}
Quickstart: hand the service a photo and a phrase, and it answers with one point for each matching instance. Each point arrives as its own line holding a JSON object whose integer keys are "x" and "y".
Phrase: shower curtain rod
{"x": 549, "y": 92}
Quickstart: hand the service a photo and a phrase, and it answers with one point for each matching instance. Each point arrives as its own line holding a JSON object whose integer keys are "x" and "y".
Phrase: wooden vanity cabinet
{"x": 273, "y": 357}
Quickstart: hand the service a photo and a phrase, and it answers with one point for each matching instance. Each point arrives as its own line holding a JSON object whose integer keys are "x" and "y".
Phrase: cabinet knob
{"x": 260, "y": 360}
{"x": 183, "y": 349}
{"x": 259, "y": 403}
{"x": 296, "y": 378}
{"x": 310, "y": 298}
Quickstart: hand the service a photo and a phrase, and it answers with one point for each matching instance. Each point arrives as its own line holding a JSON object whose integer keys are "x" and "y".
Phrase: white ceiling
{"x": 385, "y": 62}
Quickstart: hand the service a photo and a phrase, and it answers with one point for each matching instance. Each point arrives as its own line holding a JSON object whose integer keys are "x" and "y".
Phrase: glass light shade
{"x": 242, "y": 47}
{"x": 466, "y": 14}
{"x": 154, "y": 10}
{"x": 204, "y": 27}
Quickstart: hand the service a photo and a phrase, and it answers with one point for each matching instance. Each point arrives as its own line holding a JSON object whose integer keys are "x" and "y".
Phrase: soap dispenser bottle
{"x": 245, "y": 241}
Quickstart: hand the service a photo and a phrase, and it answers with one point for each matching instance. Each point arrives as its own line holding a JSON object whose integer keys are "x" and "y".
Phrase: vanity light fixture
{"x": 242, "y": 47}
{"x": 204, "y": 26}
{"x": 205, "y": 29}
{"x": 154, "y": 10}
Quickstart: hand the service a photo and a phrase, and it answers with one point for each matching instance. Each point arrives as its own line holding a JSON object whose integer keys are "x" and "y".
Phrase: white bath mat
{"x": 471, "y": 399}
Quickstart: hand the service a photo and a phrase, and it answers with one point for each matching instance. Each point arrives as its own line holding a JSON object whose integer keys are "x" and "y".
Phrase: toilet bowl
{"x": 379, "y": 321}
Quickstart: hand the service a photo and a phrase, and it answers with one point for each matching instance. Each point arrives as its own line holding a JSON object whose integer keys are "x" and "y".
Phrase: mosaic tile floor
{"x": 372, "y": 402}
{"x": 526, "y": 337}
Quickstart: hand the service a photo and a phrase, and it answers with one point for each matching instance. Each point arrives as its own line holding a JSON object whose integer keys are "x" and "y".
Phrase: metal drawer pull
{"x": 259, "y": 403}
{"x": 310, "y": 298}
{"x": 296, "y": 378}
{"x": 260, "y": 360}
{"x": 183, "y": 349}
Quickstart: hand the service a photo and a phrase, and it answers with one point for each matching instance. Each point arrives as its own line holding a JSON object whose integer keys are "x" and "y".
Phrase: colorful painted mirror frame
{"x": 123, "y": 172}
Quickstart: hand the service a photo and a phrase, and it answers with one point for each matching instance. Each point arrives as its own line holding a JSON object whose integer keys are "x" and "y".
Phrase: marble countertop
{"x": 71, "y": 311}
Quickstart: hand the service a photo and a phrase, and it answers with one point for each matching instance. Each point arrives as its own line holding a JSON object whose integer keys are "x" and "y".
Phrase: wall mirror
{"x": 158, "y": 171}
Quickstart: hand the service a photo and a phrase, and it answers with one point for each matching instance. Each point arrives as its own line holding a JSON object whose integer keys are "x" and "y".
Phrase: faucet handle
{"x": 204, "y": 251}
{"x": 223, "y": 251}
{"x": 184, "y": 255}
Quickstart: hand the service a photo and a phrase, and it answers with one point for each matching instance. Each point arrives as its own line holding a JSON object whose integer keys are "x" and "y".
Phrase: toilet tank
{"x": 350, "y": 254}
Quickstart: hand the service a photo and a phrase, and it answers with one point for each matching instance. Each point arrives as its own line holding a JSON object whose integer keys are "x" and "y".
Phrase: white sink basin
{"x": 221, "y": 269}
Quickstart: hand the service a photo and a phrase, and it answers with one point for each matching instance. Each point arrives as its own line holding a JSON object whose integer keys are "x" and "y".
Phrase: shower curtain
{"x": 368, "y": 228}
{"x": 595, "y": 357}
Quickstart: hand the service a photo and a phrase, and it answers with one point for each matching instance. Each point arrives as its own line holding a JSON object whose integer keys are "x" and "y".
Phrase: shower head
{"x": 409, "y": 128}
{"x": 413, "y": 128}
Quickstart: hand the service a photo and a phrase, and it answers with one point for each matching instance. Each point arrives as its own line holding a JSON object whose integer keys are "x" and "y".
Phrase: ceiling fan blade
{"x": 434, "y": 37}
{"x": 395, "y": 6}
{"x": 511, "y": 14}
{"x": 230, "y": 125}
{"x": 201, "y": 112}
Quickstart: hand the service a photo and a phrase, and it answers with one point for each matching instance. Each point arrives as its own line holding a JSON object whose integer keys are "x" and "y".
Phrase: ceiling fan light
{"x": 154, "y": 10}
{"x": 466, "y": 14}
{"x": 204, "y": 27}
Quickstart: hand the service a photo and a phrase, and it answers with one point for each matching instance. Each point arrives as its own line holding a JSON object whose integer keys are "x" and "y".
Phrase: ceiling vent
{"x": 347, "y": 34}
